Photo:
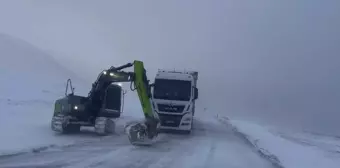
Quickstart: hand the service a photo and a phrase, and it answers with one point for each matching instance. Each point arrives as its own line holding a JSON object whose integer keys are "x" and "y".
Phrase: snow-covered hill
{"x": 27, "y": 71}
{"x": 30, "y": 81}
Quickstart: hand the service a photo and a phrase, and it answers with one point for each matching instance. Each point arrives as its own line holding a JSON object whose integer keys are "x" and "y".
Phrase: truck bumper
{"x": 176, "y": 122}
{"x": 180, "y": 128}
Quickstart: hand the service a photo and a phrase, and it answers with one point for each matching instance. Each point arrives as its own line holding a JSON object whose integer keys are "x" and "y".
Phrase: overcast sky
{"x": 272, "y": 60}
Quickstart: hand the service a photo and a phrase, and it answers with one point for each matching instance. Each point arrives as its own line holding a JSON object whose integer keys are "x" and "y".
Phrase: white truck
{"x": 174, "y": 96}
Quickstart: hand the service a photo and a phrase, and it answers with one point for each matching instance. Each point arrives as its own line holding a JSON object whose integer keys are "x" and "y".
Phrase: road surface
{"x": 211, "y": 145}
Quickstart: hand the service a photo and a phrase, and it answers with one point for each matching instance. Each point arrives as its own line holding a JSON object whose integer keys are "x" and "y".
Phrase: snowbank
{"x": 281, "y": 151}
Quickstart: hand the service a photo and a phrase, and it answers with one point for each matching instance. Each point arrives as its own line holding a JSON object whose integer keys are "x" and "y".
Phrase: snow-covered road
{"x": 211, "y": 145}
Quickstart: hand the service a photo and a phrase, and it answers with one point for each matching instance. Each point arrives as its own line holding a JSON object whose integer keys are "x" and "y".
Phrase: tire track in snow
{"x": 211, "y": 144}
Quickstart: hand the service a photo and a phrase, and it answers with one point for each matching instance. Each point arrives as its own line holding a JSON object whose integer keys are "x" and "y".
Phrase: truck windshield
{"x": 172, "y": 89}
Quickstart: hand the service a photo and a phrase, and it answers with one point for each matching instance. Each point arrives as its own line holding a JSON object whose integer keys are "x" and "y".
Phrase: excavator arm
{"x": 140, "y": 83}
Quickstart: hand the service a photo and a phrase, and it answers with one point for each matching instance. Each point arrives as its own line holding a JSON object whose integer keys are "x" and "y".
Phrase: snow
{"x": 288, "y": 149}
{"x": 211, "y": 145}
{"x": 30, "y": 81}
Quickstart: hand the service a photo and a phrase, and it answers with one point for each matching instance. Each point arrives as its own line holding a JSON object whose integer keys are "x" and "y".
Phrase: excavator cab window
{"x": 113, "y": 98}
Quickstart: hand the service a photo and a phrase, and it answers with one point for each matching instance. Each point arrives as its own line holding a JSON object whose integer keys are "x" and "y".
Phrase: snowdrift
{"x": 287, "y": 149}
{"x": 30, "y": 81}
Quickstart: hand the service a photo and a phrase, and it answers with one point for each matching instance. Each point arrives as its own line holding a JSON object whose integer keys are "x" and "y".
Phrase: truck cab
{"x": 174, "y": 95}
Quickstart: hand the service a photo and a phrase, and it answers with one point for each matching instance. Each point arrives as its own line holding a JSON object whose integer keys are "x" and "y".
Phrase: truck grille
{"x": 170, "y": 120}
{"x": 170, "y": 109}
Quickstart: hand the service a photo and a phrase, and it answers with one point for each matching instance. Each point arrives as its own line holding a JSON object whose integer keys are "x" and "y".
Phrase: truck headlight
{"x": 75, "y": 107}
{"x": 111, "y": 74}
{"x": 104, "y": 72}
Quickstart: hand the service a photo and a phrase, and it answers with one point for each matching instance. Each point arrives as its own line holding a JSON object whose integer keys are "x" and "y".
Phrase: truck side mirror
{"x": 195, "y": 93}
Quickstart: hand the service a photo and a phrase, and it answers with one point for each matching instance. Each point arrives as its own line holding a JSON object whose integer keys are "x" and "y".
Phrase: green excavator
{"x": 103, "y": 104}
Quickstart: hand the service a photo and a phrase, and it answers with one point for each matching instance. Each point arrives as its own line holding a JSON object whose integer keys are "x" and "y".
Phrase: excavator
{"x": 103, "y": 104}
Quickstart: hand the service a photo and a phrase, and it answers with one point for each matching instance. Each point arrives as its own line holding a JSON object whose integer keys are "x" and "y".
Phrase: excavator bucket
{"x": 137, "y": 134}
{"x": 142, "y": 133}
